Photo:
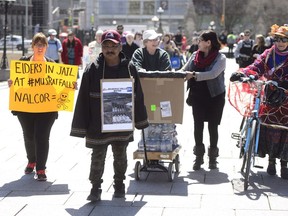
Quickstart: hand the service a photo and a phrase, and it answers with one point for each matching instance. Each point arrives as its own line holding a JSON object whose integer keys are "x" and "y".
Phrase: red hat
{"x": 111, "y": 35}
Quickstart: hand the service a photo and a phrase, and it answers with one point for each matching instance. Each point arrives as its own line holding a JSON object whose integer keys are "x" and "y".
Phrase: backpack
{"x": 55, "y": 41}
{"x": 231, "y": 39}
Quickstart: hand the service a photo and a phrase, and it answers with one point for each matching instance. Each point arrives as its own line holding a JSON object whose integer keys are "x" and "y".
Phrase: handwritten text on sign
{"x": 42, "y": 86}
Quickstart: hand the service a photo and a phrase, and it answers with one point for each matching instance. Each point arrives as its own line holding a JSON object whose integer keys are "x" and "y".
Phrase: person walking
{"x": 231, "y": 40}
{"x": 138, "y": 39}
{"x": 147, "y": 59}
{"x": 243, "y": 50}
{"x": 193, "y": 47}
{"x": 111, "y": 64}
{"x": 94, "y": 47}
{"x": 36, "y": 126}
{"x": 129, "y": 47}
{"x": 259, "y": 47}
{"x": 205, "y": 75}
{"x": 272, "y": 64}
{"x": 120, "y": 30}
{"x": 169, "y": 45}
{"x": 54, "y": 46}
{"x": 72, "y": 50}
{"x": 151, "y": 57}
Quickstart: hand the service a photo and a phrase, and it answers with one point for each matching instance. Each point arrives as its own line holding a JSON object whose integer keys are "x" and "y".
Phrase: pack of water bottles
{"x": 159, "y": 138}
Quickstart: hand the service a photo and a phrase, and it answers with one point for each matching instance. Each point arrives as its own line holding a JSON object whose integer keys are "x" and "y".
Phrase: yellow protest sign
{"x": 42, "y": 86}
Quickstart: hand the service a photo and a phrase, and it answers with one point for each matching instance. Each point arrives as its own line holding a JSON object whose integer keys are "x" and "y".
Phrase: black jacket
{"x": 160, "y": 61}
{"x": 87, "y": 116}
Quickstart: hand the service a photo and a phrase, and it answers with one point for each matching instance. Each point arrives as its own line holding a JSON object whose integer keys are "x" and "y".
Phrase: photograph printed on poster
{"x": 117, "y": 105}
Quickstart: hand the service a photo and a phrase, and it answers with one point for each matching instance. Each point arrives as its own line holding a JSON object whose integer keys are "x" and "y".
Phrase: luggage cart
{"x": 155, "y": 161}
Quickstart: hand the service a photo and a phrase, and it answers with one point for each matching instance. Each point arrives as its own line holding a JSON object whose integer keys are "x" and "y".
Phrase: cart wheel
{"x": 171, "y": 171}
{"x": 137, "y": 170}
{"x": 177, "y": 163}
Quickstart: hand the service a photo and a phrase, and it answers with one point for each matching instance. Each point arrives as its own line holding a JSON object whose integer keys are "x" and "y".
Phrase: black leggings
{"x": 36, "y": 130}
{"x": 213, "y": 132}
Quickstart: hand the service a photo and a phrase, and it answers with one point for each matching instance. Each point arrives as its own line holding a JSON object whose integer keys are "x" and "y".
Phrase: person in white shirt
{"x": 94, "y": 47}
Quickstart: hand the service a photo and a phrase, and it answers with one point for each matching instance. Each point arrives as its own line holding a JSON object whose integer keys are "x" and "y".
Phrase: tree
{"x": 256, "y": 15}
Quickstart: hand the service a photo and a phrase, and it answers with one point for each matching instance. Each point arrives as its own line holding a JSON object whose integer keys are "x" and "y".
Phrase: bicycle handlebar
{"x": 251, "y": 79}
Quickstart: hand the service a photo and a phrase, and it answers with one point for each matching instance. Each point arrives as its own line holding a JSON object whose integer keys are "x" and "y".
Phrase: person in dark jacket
{"x": 151, "y": 57}
{"x": 129, "y": 47}
{"x": 87, "y": 122}
{"x": 36, "y": 126}
{"x": 243, "y": 50}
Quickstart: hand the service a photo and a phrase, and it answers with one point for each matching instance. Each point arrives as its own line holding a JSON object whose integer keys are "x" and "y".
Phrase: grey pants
{"x": 98, "y": 162}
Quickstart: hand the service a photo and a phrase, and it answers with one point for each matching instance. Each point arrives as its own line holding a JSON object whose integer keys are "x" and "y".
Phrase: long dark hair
{"x": 212, "y": 36}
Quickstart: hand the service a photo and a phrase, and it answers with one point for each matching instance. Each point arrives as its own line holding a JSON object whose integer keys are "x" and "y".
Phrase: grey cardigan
{"x": 214, "y": 74}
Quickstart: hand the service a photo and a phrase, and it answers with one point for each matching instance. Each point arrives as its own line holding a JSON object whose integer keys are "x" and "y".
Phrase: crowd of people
{"x": 116, "y": 54}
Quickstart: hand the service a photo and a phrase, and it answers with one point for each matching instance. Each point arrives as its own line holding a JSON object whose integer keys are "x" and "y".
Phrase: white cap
{"x": 52, "y": 32}
{"x": 129, "y": 34}
{"x": 150, "y": 35}
{"x": 99, "y": 32}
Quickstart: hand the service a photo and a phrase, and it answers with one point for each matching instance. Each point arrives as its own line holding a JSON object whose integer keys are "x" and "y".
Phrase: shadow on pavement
{"x": 108, "y": 208}
{"x": 260, "y": 183}
{"x": 208, "y": 177}
{"x": 28, "y": 186}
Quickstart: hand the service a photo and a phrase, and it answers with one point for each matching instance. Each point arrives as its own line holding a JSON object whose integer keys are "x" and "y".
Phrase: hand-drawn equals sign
{"x": 53, "y": 97}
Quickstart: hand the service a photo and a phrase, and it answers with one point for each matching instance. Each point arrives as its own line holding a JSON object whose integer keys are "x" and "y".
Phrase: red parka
{"x": 78, "y": 50}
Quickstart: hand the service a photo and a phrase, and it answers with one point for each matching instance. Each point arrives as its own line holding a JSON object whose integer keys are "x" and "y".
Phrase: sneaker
{"x": 119, "y": 191}
{"x": 95, "y": 195}
{"x": 271, "y": 169}
{"x": 284, "y": 173}
{"x": 41, "y": 176}
{"x": 29, "y": 168}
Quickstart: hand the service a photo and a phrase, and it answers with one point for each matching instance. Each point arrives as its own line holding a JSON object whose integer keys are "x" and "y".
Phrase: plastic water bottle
{"x": 140, "y": 145}
{"x": 158, "y": 131}
{"x": 163, "y": 146}
{"x": 151, "y": 144}
{"x": 168, "y": 144}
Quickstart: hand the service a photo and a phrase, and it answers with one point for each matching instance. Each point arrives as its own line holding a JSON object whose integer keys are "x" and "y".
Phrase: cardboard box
{"x": 164, "y": 99}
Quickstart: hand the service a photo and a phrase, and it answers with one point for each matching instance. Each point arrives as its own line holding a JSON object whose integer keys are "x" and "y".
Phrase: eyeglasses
{"x": 39, "y": 45}
{"x": 246, "y": 34}
{"x": 281, "y": 39}
{"x": 110, "y": 47}
{"x": 154, "y": 40}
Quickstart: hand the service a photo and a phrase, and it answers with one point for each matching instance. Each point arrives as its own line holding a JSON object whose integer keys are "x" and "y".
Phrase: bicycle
{"x": 248, "y": 136}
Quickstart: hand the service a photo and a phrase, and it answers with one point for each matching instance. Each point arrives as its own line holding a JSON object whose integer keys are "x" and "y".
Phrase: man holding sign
{"x": 96, "y": 108}
{"x": 38, "y": 89}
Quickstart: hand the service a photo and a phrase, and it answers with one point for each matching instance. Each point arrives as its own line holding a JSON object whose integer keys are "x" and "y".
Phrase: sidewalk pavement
{"x": 204, "y": 193}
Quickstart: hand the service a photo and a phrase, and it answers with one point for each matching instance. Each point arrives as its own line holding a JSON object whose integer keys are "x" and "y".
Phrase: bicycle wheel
{"x": 250, "y": 154}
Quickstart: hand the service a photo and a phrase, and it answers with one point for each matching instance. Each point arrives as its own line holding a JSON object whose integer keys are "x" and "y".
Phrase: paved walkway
{"x": 205, "y": 192}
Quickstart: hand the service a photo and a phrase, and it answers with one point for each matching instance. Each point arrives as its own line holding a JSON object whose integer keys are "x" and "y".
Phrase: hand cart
{"x": 154, "y": 161}
{"x": 155, "y": 84}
